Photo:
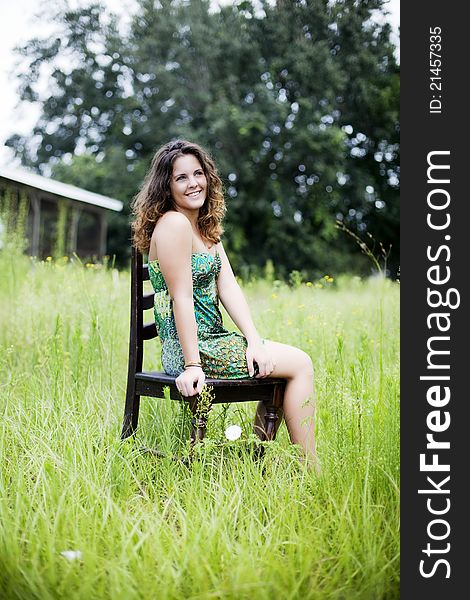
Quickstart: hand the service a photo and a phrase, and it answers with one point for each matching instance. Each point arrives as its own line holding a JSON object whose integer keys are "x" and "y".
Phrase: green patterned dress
{"x": 223, "y": 353}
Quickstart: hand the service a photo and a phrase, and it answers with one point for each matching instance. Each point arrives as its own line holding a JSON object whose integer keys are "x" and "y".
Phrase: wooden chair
{"x": 151, "y": 383}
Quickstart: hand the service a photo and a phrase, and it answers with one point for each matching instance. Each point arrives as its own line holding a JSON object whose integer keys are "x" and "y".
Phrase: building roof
{"x": 58, "y": 188}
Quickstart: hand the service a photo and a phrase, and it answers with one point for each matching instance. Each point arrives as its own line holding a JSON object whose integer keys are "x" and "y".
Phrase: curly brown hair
{"x": 154, "y": 198}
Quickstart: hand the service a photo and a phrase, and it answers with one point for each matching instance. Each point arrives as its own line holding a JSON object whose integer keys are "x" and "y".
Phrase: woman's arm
{"x": 173, "y": 243}
{"x": 234, "y": 301}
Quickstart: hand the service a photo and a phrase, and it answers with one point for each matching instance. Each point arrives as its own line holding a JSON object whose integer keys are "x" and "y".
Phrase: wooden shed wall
{"x": 58, "y": 226}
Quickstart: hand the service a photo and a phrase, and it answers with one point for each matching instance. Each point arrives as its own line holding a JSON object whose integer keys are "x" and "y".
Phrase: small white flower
{"x": 233, "y": 432}
{"x": 72, "y": 554}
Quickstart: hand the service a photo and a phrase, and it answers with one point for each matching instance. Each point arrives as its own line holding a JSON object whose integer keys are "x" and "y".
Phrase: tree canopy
{"x": 298, "y": 102}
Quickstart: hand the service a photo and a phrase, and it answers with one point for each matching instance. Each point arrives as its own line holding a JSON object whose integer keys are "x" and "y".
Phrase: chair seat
{"x": 151, "y": 383}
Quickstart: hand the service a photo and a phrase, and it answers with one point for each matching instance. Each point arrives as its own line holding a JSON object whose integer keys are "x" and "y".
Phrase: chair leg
{"x": 270, "y": 419}
{"x": 131, "y": 413}
{"x": 272, "y": 413}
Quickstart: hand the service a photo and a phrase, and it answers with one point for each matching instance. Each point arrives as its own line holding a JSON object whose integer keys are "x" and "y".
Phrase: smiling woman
{"x": 189, "y": 184}
{"x": 178, "y": 223}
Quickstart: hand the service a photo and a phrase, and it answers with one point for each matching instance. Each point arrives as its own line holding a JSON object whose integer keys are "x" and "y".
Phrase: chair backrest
{"x": 140, "y": 302}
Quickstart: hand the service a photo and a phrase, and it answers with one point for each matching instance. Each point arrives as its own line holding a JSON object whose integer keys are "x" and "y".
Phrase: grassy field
{"x": 229, "y": 527}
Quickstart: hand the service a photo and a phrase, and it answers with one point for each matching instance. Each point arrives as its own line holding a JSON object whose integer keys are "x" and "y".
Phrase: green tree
{"x": 298, "y": 102}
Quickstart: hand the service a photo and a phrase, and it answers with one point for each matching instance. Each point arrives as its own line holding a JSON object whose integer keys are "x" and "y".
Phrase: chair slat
{"x": 145, "y": 272}
{"x": 149, "y": 331}
{"x": 147, "y": 301}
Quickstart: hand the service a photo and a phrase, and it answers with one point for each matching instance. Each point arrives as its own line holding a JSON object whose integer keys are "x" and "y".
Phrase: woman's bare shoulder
{"x": 171, "y": 229}
{"x": 172, "y": 223}
{"x": 173, "y": 219}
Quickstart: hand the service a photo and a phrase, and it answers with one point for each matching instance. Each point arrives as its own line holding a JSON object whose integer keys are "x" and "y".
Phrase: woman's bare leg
{"x": 296, "y": 366}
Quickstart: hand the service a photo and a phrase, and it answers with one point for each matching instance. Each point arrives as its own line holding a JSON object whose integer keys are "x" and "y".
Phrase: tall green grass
{"x": 228, "y": 527}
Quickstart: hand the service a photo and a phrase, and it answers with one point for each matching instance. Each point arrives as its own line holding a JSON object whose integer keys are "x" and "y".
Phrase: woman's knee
{"x": 291, "y": 361}
{"x": 305, "y": 362}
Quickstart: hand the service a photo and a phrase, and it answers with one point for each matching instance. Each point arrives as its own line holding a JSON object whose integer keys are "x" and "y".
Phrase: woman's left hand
{"x": 257, "y": 352}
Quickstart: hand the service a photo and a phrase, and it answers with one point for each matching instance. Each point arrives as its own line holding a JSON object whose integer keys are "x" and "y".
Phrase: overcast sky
{"x": 18, "y": 24}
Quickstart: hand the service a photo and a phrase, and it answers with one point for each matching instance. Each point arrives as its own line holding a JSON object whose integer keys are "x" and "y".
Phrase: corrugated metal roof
{"x": 60, "y": 189}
